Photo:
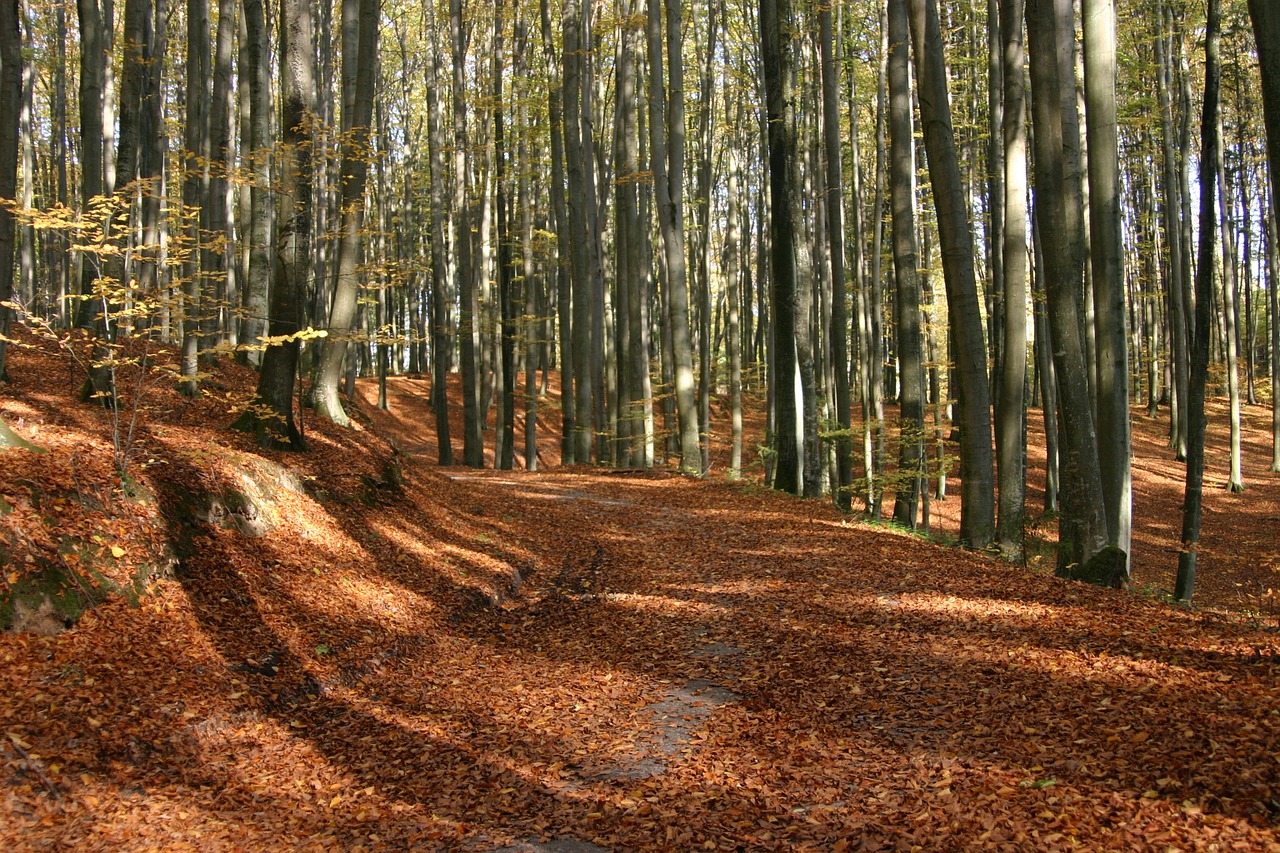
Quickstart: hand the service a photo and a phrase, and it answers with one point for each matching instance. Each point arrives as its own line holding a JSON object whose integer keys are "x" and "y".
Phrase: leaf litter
{"x": 580, "y": 660}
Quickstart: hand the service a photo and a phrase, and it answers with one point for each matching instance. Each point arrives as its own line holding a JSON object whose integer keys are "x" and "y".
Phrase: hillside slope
{"x": 475, "y": 660}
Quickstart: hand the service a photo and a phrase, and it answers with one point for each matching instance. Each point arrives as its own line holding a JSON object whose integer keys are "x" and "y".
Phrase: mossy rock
{"x": 52, "y": 596}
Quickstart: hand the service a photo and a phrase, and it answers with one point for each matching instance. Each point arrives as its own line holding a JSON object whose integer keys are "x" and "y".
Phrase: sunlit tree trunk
{"x": 1209, "y": 142}
{"x": 977, "y": 491}
{"x": 259, "y": 233}
{"x": 666, "y": 144}
{"x": 356, "y": 147}
{"x": 271, "y": 416}
{"x": 906, "y": 266}
{"x": 1114, "y": 443}
{"x": 195, "y": 158}
{"x": 1082, "y": 525}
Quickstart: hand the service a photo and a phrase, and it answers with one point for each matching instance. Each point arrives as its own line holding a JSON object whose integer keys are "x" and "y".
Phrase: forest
{"x": 608, "y": 425}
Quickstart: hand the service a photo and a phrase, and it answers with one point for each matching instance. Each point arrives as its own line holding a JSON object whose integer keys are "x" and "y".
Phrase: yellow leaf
{"x": 117, "y": 551}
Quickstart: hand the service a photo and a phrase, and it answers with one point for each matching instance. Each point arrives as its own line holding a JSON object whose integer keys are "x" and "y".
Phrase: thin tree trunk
{"x": 906, "y": 266}
{"x": 1107, "y": 255}
{"x": 977, "y": 495}
{"x": 436, "y": 144}
{"x": 1209, "y": 142}
{"x": 10, "y": 100}
{"x": 1011, "y": 437}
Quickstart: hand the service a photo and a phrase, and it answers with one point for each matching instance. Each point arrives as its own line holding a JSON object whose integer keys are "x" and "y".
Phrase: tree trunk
{"x": 1011, "y": 436}
{"x": 195, "y": 159}
{"x": 666, "y": 134}
{"x": 440, "y": 326}
{"x": 258, "y": 279}
{"x": 1112, "y": 352}
{"x": 10, "y": 101}
{"x": 1082, "y": 525}
{"x": 977, "y": 495}
{"x": 271, "y": 417}
{"x": 906, "y": 269}
{"x": 777, "y": 48}
{"x": 1209, "y": 142}
{"x": 842, "y": 489}
{"x": 356, "y": 145}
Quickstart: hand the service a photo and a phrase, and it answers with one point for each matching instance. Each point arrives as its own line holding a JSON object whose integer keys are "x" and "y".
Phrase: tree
{"x": 906, "y": 267}
{"x": 1082, "y": 525}
{"x": 1209, "y": 142}
{"x": 1107, "y": 259}
{"x": 356, "y": 154}
{"x": 270, "y": 417}
{"x": 977, "y": 498}
{"x": 777, "y": 36}
{"x": 10, "y": 99}
{"x": 1266, "y": 29}
{"x": 1011, "y": 436}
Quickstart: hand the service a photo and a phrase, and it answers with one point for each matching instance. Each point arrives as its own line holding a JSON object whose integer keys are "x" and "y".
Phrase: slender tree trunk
{"x": 10, "y": 101}
{"x": 464, "y": 257}
{"x": 666, "y": 134}
{"x": 576, "y": 163}
{"x": 1170, "y": 208}
{"x": 1230, "y": 315}
{"x": 906, "y": 266}
{"x": 1114, "y": 443}
{"x": 357, "y": 138}
{"x": 271, "y": 418}
{"x": 259, "y": 271}
{"x": 777, "y": 46}
{"x": 842, "y": 489}
{"x": 564, "y": 240}
{"x": 977, "y": 495}
{"x": 1011, "y": 436}
{"x": 1082, "y": 525}
{"x": 195, "y": 159}
{"x": 436, "y": 144}
{"x": 1209, "y": 142}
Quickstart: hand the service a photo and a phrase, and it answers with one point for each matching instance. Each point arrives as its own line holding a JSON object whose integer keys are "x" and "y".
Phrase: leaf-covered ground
{"x": 576, "y": 660}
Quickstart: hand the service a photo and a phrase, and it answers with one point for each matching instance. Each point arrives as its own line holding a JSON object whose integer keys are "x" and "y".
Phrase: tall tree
{"x": 1266, "y": 30}
{"x": 833, "y": 157}
{"x": 777, "y": 50}
{"x": 1193, "y": 500}
{"x": 10, "y": 107}
{"x": 357, "y": 128}
{"x": 271, "y": 416}
{"x": 977, "y": 495}
{"x": 1082, "y": 524}
{"x": 906, "y": 267}
{"x": 666, "y": 123}
{"x": 1107, "y": 258}
{"x": 1011, "y": 436}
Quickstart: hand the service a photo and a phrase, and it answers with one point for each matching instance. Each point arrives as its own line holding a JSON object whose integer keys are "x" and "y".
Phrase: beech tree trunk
{"x": 1193, "y": 501}
{"x": 357, "y": 141}
{"x": 777, "y": 48}
{"x": 977, "y": 494}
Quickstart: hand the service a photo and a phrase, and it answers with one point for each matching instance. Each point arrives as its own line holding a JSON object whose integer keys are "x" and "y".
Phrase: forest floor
{"x": 581, "y": 660}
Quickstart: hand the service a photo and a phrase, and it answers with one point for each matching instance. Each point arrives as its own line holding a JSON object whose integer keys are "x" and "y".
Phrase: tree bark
{"x": 357, "y": 138}
{"x": 271, "y": 417}
{"x": 10, "y": 103}
{"x": 977, "y": 495}
{"x": 906, "y": 269}
{"x": 1082, "y": 525}
{"x": 777, "y": 35}
{"x": 1193, "y": 499}
{"x": 1107, "y": 257}
{"x": 1011, "y": 436}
